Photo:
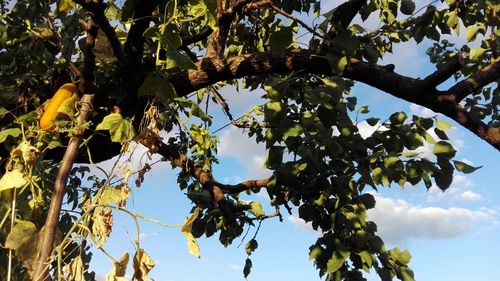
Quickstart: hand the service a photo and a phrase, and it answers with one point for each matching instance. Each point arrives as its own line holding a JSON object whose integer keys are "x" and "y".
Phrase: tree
{"x": 146, "y": 67}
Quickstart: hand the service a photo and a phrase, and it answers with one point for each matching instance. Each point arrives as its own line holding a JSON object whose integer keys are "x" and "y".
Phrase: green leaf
{"x": 251, "y": 246}
{"x": 248, "y": 267}
{"x": 169, "y": 37}
{"x": 363, "y": 109}
{"x": 274, "y": 157}
{"x": 114, "y": 195}
{"x": 294, "y": 131}
{"x": 372, "y": 121}
{"x": 12, "y": 132}
{"x": 256, "y": 209}
{"x": 337, "y": 63}
{"x": 3, "y": 111}
{"x": 476, "y": 53}
{"x": 443, "y": 149}
{"x": 177, "y": 59}
{"x": 281, "y": 40}
{"x": 120, "y": 129}
{"x": 464, "y": 167}
{"x": 410, "y": 154}
{"x": 442, "y": 125}
{"x": 407, "y": 7}
{"x": 23, "y": 239}
{"x": 68, "y": 107}
{"x": 314, "y": 252}
{"x": 12, "y": 179}
{"x": 337, "y": 260}
{"x": 158, "y": 86}
{"x": 194, "y": 110}
{"x": 471, "y": 32}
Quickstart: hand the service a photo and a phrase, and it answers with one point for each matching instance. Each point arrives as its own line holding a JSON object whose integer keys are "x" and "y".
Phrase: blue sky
{"x": 451, "y": 235}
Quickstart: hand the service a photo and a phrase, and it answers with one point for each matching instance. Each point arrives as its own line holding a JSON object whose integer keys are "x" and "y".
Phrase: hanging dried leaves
{"x": 142, "y": 265}
{"x": 193, "y": 247}
{"x": 117, "y": 273}
{"x": 74, "y": 270}
{"x": 103, "y": 223}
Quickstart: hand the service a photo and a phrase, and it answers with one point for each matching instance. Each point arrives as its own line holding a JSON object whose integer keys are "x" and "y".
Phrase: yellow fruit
{"x": 62, "y": 94}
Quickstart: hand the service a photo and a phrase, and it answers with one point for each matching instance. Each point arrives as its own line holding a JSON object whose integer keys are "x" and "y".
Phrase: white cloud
{"x": 458, "y": 192}
{"x": 145, "y": 235}
{"x": 301, "y": 224}
{"x": 235, "y": 143}
{"x": 235, "y": 267}
{"x": 422, "y": 111}
{"x": 470, "y": 196}
{"x": 398, "y": 221}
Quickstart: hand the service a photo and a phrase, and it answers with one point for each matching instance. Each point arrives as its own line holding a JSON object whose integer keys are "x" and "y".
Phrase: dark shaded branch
{"x": 454, "y": 111}
{"x": 188, "y": 40}
{"x": 134, "y": 46}
{"x": 444, "y": 72}
{"x": 96, "y": 10}
{"x": 287, "y": 15}
{"x": 217, "y": 40}
{"x": 476, "y": 81}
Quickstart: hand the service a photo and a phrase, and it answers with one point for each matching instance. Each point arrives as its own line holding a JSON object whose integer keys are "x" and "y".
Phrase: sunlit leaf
{"x": 192, "y": 244}
{"x": 464, "y": 167}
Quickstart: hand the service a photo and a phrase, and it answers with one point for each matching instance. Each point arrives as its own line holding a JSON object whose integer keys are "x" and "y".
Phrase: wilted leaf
{"x": 142, "y": 265}
{"x": 117, "y": 273}
{"x": 192, "y": 245}
{"x": 102, "y": 225}
{"x": 23, "y": 239}
{"x": 74, "y": 270}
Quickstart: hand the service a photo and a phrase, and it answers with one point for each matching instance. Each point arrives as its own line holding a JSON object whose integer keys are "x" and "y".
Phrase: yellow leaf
{"x": 117, "y": 273}
{"x": 66, "y": 5}
{"x": 126, "y": 174}
{"x": 142, "y": 265}
{"x": 103, "y": 223}
{"x": 193, "y": 247}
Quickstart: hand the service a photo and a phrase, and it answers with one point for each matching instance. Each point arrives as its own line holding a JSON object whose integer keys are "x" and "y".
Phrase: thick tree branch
{"x": 44, "y": 256}
{"x": 383, "y": 78}
{"x": 444, "y": 72}
{"x": 217, "y": 40}
{"x": 134, "y": 46}
{"x": 453, "y": 110}
{"x": 204, "y": 178}
{"x": 476, "y": 81}
{"x": 96, "y": 10}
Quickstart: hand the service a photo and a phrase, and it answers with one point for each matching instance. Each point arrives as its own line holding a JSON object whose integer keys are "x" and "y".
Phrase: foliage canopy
{"x": 147, "y": 68}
